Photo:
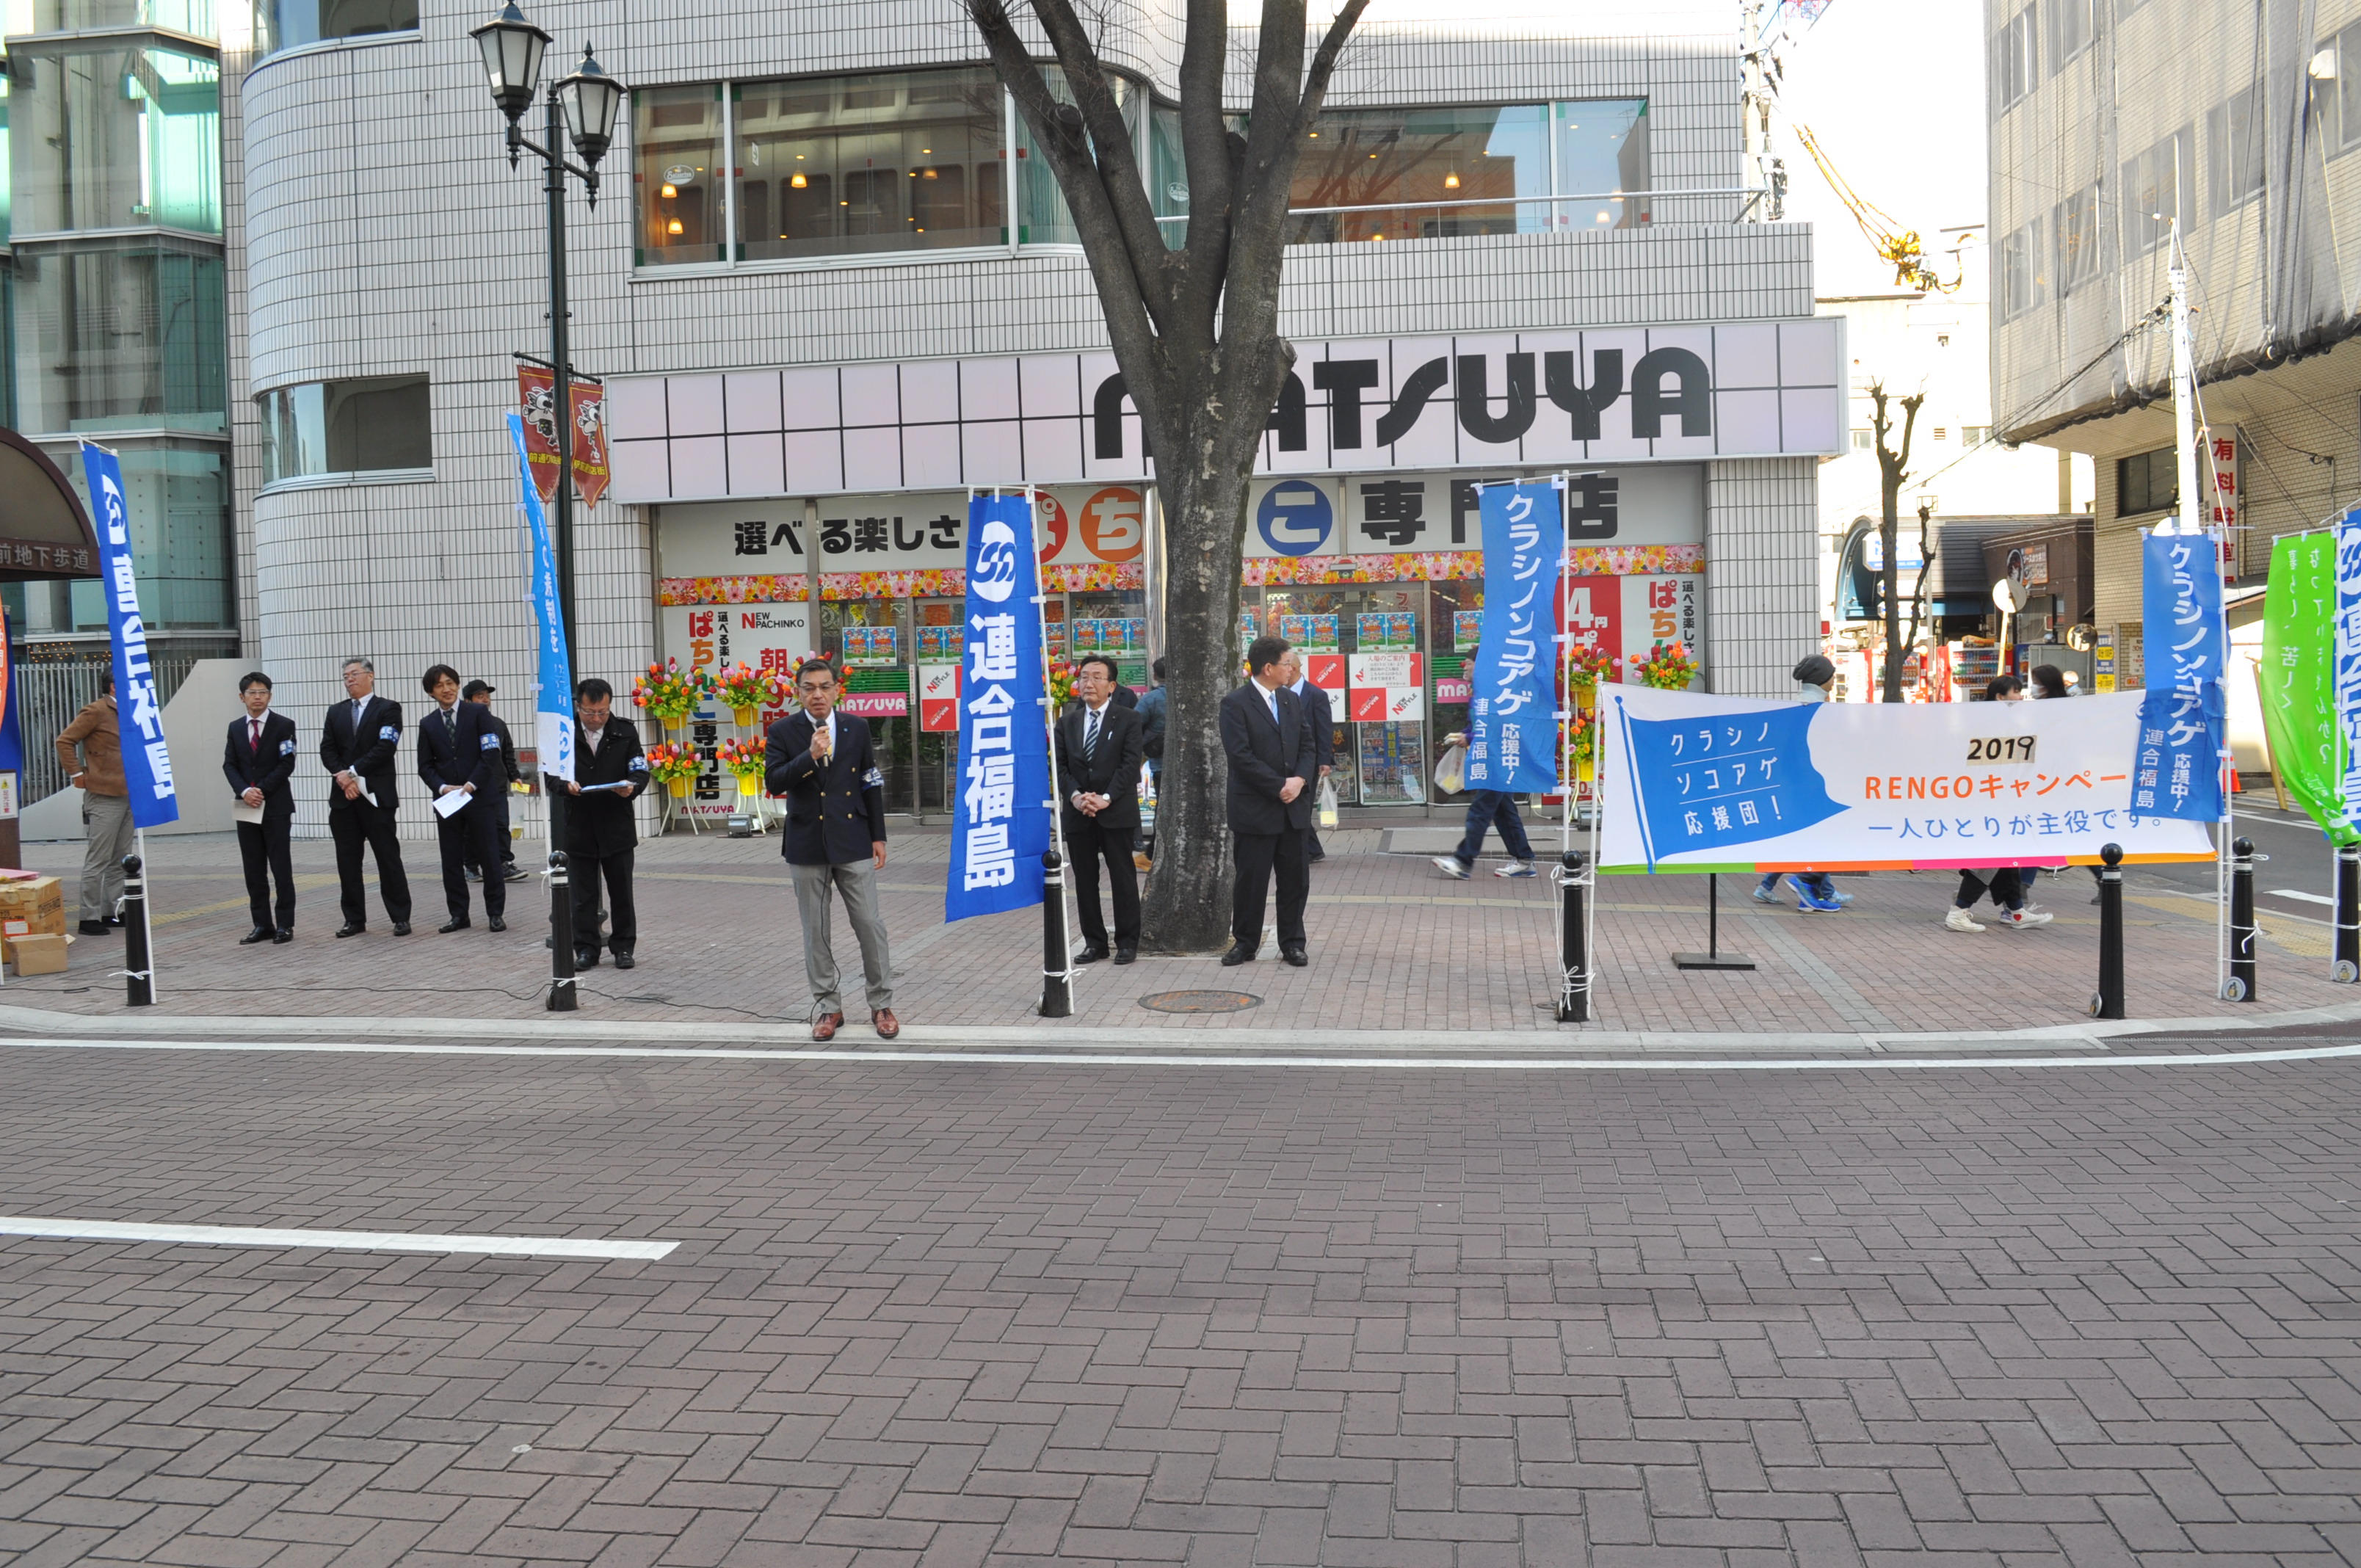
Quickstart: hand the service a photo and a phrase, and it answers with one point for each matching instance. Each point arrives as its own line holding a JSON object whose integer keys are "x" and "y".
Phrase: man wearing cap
{"x": 480, "y": 694}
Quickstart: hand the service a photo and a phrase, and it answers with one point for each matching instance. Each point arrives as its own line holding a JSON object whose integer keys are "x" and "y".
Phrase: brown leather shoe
{"x": 884, "y": 1023}
{"x": 825, "y": 1027}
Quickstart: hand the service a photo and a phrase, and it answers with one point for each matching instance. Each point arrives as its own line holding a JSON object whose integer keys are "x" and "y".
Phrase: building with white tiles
{"x": 830, "y": 292}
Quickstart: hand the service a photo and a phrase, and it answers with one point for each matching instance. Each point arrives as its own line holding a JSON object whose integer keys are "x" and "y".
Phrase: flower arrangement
{"x": 1668, "y": 667}
{"x": 745, "y": 760}
{"x": 671, "y": 693}
{"x": 1587, "y": 664}
{"x": 1062, "y": 687}
{"x": 745, "y": 690}
{"x": 674, "y": 765}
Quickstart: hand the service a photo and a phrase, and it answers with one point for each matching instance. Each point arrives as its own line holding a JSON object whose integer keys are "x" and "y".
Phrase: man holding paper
{"x": 259, "y": 761}
{"x": 610, "y": 772}
{"x": 356, "y": 746}
{"x": 459, "y": 761}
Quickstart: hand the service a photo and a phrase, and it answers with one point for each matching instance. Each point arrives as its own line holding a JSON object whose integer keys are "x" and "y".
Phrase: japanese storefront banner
{"x": 1003, "y": 825}
{"x": 537, "y": 400}
{"x": 2298, "y": 673}
{"x": 553, "y": 702}
{"x": 2347, "y": 674}
{"x": 1512, "y": 714}
{"x": 146, "y": 760}
{"x": 938, "y": 698}
{"x": 2184, "y": 723}
{"x": 1694, "y": 782}
{"x": 1383, "y": 689}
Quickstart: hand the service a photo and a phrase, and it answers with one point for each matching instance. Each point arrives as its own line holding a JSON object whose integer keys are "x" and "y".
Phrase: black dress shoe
{"x": 1239, "y": 953}
{"x": 1293, "y": 953}
{"x": 448, "y": 927}
{"x": 401, "y": 927}
{"x": 351, "y": 928}
{"x": 282, "y": 938}
{"x": 584, "y": 961}
{"x": 1127, "y": 955}
{"x": 474, "y": 875}
{"x": 496, "y": 924}
{"x": 1091, "y": 954}
{"x": 259, "y": 933}
{"x": 625, "y": 960}
{"x": 95, "y": 928}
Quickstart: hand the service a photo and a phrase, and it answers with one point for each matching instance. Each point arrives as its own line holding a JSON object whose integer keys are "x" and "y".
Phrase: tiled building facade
{"x": 389, "y": 264}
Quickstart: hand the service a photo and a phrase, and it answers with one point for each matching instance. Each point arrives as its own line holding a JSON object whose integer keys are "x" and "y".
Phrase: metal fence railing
{"x": 48, "y": 696}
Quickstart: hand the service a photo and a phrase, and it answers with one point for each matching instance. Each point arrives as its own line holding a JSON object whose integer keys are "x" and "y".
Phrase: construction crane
{"x": 1897, "y": 244}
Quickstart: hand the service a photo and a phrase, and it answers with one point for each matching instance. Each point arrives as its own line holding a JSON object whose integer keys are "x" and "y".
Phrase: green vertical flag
{"x": 2298, "y": 679}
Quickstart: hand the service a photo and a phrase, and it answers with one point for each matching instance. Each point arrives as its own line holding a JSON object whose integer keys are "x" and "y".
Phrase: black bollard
{"x": 2109, "y": 1002}
{"x": 2346, "y": 968}
{"x": 138, "y": 967}
{"x": 1056, "y": 958}
{"x": 2241, "y": 921}
{"x": 1572, "y": 939}
{"x": 562, "y": 998}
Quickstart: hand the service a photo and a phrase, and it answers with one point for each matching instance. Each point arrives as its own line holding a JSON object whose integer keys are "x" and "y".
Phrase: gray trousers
{"x": 857, "y": 885}
{"x": 106, "y": 834}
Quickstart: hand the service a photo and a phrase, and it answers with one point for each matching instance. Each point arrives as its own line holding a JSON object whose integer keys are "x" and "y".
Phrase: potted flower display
{"x": 746, "y": 691}
{"x": 745, "y": 761}
{"x": 1668, "y": 667}
{"x": 674, "y": 765}
{"x": 1587, "y": 665}
{"x": 1062, "y": 687}
{"x": 670, "y": 693}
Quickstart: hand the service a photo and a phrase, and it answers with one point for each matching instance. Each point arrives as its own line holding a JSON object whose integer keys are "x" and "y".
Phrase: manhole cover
{"x": 1199, "y": 1001}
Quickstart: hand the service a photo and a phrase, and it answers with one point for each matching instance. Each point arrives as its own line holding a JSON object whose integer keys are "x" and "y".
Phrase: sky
{"x": 1894, "y": 94}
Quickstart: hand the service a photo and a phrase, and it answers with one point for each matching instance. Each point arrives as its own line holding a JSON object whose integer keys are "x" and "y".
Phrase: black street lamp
{"x": 584, "y": 106}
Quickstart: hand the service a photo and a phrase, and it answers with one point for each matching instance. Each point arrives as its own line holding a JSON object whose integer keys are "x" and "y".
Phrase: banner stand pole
{"x": 1713, "y": 957}
{"x": 1049, "y": 726}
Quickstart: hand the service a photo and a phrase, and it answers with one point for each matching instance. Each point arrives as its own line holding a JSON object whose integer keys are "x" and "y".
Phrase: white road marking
{"x": 346, "y": 1241}
{"x": 1078, "y": 1058}
{"x": 2295, "y": 893}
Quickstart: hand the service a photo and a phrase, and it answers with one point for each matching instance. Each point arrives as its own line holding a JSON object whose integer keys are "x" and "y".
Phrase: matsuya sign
{"x": 1620, "y": 394}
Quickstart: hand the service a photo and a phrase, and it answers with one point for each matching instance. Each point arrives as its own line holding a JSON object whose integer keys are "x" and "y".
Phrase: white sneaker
{"x": 1516, "y": 869}
{"x": 1449, "y": 866}
{"x": 1959, "y": 920}
{"x": 2028, "y": 915}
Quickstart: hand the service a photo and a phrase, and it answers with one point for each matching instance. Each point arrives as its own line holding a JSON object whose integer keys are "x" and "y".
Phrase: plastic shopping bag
{"x": 1328, "y": 804}
{"x": 1451, "y": 772}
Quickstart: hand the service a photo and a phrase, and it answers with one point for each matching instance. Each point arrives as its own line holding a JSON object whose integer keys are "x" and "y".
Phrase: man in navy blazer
{"x": 823, "y": 763}
{"x": 458, "y": 753}
{"x": 259, "y": 761}
{"x": 1268, "y": 741}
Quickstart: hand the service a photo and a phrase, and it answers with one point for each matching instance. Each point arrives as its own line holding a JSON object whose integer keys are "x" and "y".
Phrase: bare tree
{"x": 1195, "y": 331}
{"x": 1892, "y": 467}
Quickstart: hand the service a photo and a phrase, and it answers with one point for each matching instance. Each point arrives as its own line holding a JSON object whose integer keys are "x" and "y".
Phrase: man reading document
{"x": 602, "y": 836}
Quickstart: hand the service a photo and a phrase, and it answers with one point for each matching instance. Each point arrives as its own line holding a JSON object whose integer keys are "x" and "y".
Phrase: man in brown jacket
{"x": 105, "y": 807}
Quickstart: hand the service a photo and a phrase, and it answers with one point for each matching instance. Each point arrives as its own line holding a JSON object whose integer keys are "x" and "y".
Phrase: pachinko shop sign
{"x": 1692, "y": 783}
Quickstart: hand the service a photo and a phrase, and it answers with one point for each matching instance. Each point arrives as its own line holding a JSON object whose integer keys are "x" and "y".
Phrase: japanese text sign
{"x": 2296, "y": 675}
{"x": 1513, "y": 715}
{"x": 146, "y": 760}
{"x": 1002, "y": 824}
{"x": 2183, "y": 723}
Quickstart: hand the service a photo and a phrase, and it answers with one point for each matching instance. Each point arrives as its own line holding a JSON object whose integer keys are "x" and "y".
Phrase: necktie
{"x": 254, "y": 738}
{"x": 1090, "y": 734}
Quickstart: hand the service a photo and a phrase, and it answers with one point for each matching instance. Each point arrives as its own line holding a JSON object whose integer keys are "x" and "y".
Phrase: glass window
{"x": 2075, "y": 223}
{"x": 290, "y": 24}
{"x": 372, "y": 424}
{"x": 117, "y": 137}
{"x": 2022, "y": 264}
{"x": 2159, "y": 185}
{"x": 1167, "y": 173}
{"x": 2069, "y": 31}
{"x": 2342, "y": 104}
{"x": 1601, "y": 146}
{"x": 194, "y": 17}
{"x": 2013, "y": 59}
{"x": 123, "y": 336}
{"x": 675, "y": 172}
{"x": 2233, "y": 150}
{"x": 176, "y": 495}
{"x": 899, "y": 160}
{"x": 2149, "y": 481}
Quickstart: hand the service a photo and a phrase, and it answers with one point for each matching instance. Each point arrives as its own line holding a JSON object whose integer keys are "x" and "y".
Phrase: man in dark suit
{"x": 357, "y": 744}
{"x": 458, "y": 756}
{"x": 1099, "y": 749}
{"x": 480, "y": 694}
{"x": 823, "y": 763}
{"x": 1270, "y": 749}
{"x": 1322, "y": 715}
{"x": 601, "y": 834}
{"x": 259, "y": 761}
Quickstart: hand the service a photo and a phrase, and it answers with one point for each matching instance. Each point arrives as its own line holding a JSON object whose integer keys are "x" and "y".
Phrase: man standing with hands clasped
{"x": 259, "y": 761}
{"x": 1099, "y": 743}
{"x": 822, "y": 761}
{"x": 1271, "y": 752}
{"x": 459, "y": 762}
{"x": 356, "y": 746}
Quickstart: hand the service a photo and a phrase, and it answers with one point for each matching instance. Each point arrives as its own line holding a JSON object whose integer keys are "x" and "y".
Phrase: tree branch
{"x": 1118, "y": 176}
{"x": 1205, "y": 149}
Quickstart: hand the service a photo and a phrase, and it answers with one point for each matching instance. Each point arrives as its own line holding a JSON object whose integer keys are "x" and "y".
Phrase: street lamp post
{"x": 583, "y": 107}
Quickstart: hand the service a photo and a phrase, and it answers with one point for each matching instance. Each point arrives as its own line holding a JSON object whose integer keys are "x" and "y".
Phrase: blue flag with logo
{"x": 1002, "y": 827}
{"x": 1512, "y": 706}
{"x": 1708, "y": 784}
{"x": 12, "y": 729}
{"x": 2184, "y": 728}
{"x": 146, "y": 760}
{"x": 552, "y": 703}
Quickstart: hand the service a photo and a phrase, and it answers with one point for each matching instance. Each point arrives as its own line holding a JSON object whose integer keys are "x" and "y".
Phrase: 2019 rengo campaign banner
{"x": 1692, "y": 783}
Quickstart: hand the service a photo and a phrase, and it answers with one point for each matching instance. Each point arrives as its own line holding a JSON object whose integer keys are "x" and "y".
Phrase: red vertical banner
{"x": 537, "y": 400}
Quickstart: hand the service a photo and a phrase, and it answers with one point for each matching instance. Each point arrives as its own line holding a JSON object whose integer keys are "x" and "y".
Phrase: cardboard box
{"x": 38, "y": 955}
{"x": 39, "y": 903}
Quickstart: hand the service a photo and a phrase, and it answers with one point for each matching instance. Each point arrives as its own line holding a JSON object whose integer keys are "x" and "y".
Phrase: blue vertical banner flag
{"x": 1003, "y": 825}
{"x": 12, "y": 727}
{"x": 1512, "y": 706}
{"x": 2346, "y": 673}
{"x": 552, "y": 703}
{"x": 146, "y": 760}
{"x": 2184, "y": 727}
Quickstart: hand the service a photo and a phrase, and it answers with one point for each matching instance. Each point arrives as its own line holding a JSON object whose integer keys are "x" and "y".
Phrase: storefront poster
{"x": 1694, "y": 782}
{"x": 1327, "y": 672}
{"x": 2184, "y": 722}
{"x": 2297, "y": 674}
{"x": 1003, "y": 824}
{"x": 1629, "y": 616}
{"x": 1386, "y": 687}
{"x": 938, "y": 698}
